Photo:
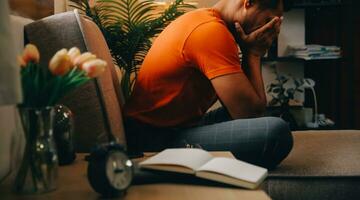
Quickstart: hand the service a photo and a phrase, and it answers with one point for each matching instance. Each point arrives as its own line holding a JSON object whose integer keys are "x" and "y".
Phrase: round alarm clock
{"x": 110, "y": 171}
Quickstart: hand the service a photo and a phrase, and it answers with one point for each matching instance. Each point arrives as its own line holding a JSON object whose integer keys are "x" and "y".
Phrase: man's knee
{"x": 280, "y": 141}
{"x": 278, "y": 128}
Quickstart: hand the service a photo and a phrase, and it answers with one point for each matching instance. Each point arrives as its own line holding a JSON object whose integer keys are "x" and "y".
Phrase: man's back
{"x": 173, "y": 87}
{"x": 194, "y": 61}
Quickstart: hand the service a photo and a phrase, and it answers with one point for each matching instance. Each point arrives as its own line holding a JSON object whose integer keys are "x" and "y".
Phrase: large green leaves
{"x": 281, "y": 94}
{"x": 129, "y": 27}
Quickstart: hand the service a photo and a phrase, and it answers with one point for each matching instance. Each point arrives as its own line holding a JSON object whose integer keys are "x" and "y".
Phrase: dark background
{"x": 337, "y": 81}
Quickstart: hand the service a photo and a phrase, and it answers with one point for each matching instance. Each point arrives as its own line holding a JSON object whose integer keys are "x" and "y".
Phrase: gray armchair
{"x": 97, "y": 104}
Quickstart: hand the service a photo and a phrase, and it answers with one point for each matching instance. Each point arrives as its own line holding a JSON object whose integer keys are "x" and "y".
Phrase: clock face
{"x": 119, "y": 170}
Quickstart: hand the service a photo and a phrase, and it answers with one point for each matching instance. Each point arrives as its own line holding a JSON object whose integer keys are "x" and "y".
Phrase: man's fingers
{"x": 278, "y": 25}
{"x": 275, "y": 30}
{"x": 269, "y": 25}
{"x": 270, "y": 31}
{"x": 240, "y": 30}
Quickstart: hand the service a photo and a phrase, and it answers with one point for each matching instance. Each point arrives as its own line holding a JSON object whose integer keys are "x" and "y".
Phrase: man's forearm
{"x": 252, "y": 68}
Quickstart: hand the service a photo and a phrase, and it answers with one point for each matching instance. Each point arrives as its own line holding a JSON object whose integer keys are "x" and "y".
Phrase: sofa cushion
{"x": 322, "y": 165}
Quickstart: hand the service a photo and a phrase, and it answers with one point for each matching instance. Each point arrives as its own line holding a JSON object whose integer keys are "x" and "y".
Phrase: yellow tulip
{"x": 73, "y": 53}
{"x": 94, "y": 68}
{"x": 60, "y": 63}
{"x": 21, "y": 62}
{"x": 31, "y": 53}
{"x": 81, "y": 59}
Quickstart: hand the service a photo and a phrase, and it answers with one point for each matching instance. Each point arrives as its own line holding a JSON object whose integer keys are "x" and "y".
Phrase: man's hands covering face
{"x": 259, "y": 41}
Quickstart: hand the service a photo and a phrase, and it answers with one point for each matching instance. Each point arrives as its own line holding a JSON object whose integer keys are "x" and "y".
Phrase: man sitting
{"x": 194, "y": 62}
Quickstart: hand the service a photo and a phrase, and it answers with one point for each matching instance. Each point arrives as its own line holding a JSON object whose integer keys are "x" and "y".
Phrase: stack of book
{"x": 314, "y": 52}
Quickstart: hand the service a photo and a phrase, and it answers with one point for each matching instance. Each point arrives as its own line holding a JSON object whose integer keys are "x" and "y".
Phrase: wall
{"x": 292, "y": 30}
{"x": 34, "y": 9}
{"x": 11, "y": 135}
{"x": 292, "y": 33}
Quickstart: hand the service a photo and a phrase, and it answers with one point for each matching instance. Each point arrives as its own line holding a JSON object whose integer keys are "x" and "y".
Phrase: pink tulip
{"x": 31, "y": 53}
{"x": 81, "y": 59}
{"x": 60, "y": 63}
{"x": 73, "y": 53}
{"x": 94, "y": 68}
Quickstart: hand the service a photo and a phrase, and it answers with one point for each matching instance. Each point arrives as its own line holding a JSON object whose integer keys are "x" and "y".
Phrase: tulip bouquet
{"x": 68, "y": 69}
{"x": 42, "y": 87}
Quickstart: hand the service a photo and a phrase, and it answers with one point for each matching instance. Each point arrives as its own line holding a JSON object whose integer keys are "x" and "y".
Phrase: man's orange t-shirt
{"x": 173, "y": 87}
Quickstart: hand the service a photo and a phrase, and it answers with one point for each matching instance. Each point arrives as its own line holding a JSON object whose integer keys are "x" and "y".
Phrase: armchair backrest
{"x": 97, "y": 104}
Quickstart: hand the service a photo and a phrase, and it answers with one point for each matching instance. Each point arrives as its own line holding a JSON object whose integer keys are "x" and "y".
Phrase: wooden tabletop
{"x": 73, "y": 184}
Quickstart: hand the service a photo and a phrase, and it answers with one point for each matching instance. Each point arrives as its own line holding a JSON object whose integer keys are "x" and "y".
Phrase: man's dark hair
{"x": 273, "y": 4}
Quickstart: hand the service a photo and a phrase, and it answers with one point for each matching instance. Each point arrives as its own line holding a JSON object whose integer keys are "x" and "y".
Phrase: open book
{"x": 202, "y": 164}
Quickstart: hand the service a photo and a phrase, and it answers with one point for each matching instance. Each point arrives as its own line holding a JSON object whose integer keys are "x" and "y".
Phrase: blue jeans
{"x": 264, "y": 141}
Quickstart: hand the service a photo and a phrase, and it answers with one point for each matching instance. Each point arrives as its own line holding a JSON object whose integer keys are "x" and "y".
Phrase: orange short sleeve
{"x": 212, "y": 49}
{"x": 173, "y": 87}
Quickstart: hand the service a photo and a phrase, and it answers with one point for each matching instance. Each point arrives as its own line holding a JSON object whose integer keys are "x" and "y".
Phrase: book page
{"x": 189, "y": 158}
{"x": 236, "y": 169}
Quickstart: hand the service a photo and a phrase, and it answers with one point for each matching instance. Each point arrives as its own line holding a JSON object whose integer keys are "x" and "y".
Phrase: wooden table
{"x": 73, "y": 184}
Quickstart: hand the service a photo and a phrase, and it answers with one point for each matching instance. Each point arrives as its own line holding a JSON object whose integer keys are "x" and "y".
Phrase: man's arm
{"x": 252, "y": 68}
{"x": 243, "y": 94}
{"x": 238, "y": 95}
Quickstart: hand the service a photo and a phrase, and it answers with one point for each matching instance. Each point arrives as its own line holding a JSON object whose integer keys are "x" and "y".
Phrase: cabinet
{"x": 332, "y": 26}
{"x": 331, "y": 22}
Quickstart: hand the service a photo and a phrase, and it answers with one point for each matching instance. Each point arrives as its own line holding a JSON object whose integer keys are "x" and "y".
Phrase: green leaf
{"x": 290, "y": 91}
{"x": 273, "y": 102}
{"x": 276, "y": 90}
{"x": 129, "y": 27}
{"x": 270, "y": 86}
{"x": 291, "y": 96}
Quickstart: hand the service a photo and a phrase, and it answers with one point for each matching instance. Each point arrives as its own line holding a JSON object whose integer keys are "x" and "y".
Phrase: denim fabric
{"x": 264, "y": 141}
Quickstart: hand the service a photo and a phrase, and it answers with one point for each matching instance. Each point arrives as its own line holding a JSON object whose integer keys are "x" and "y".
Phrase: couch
{"x": 322, "y": 164}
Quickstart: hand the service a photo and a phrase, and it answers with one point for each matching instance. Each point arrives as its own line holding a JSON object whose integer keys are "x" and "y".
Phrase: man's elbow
{"x": 251, "y": 110}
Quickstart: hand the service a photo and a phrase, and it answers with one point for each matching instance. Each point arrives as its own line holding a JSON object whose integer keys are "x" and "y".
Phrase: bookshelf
{"x": 328, "y": 23}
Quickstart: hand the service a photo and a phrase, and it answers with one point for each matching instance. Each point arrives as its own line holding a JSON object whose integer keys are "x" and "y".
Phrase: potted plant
{"x": 129, "y": 27}
{"x": 282, "y": 93}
